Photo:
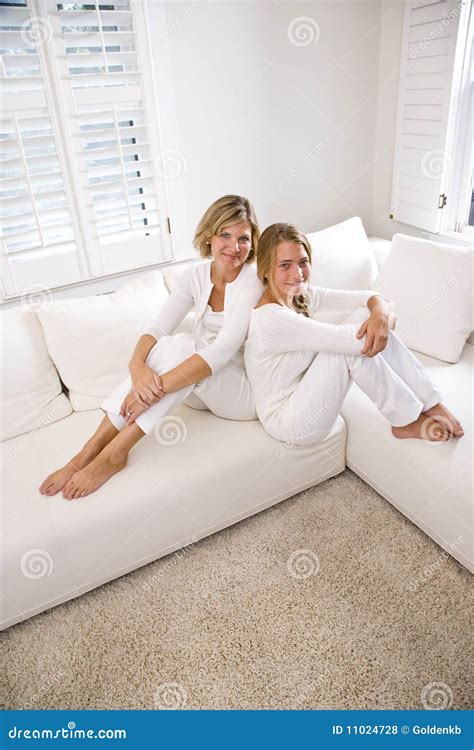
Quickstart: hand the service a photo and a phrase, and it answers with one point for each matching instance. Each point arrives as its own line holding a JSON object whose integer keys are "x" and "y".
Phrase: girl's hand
{"x": 146, "y": 384}
{"x": 376, "y": 329}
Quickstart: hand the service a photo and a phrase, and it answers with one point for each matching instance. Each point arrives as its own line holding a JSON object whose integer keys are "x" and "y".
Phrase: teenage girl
{"x": 301, "y": 368}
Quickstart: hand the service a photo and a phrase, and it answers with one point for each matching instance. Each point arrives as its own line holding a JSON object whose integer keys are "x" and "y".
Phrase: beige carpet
{"x": 331, "y": 599}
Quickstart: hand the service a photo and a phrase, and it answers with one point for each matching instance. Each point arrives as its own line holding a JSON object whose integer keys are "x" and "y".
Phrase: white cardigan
{"x": 193, "y": 291}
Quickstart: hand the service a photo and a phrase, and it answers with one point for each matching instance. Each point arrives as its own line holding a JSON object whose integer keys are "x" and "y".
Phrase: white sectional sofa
{"x": 198, "y": 474}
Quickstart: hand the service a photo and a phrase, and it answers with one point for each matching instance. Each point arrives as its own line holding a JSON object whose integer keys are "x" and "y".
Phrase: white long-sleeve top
{"x": 193, "y": 292}
{"x": 282, "y": 343}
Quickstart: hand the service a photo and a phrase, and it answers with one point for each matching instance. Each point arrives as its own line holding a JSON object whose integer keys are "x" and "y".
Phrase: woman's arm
{"x": 146, "y": 383}
{"x": 191, "y": 371}
{"x": 180, "y": 302}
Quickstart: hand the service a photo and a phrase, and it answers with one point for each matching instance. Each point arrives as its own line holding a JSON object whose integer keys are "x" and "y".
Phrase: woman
{"x": 205, "y": 367}
{"x": 301, "y": 369}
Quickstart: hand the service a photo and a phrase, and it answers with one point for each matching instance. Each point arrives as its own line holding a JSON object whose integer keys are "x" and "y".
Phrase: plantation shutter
{"x": 35, "y": 203}
{"x": 82, "y": 80}
{"x": 422, "y": 161}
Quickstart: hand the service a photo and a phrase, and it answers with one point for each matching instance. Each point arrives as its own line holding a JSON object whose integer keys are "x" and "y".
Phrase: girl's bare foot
{"x": 425, "y": 428}
{"x": 57, "y": 480}
{"x": 95, "y": 474}
{"x": 446, "y": 418}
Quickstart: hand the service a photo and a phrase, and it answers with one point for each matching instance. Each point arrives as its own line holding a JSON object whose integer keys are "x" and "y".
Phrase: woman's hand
{"x": 376, "y": 328}
{"x": 146, "y": 383}
{"x": 132, "y": 408}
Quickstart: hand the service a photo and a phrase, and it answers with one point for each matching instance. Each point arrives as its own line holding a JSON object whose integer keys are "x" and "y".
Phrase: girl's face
{"x": 291, "y": 271}
{"x": 231, "y": 247}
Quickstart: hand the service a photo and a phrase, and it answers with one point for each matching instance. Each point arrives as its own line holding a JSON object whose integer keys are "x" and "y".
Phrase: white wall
{"x": 286, "y": 125}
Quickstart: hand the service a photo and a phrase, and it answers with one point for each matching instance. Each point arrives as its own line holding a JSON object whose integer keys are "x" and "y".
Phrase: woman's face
{"x": 291, "y": 271}
{"x": 231, "y": 247}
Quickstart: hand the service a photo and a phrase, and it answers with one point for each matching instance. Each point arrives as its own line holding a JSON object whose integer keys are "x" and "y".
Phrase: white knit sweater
{"x": 193, "y": 292}
{"x": 282, "y": 343}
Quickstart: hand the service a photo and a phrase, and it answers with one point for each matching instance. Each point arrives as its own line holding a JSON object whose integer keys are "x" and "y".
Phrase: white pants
{"x": 393, "y": 379}
{"x": 227, "y": 394}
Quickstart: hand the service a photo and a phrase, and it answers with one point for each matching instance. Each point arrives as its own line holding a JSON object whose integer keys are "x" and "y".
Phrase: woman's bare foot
{"x": 446, "y": 418}
{"x": 57, "y": 480}
{"x": 425, "y": 428}
{"x": 95, "y": 474}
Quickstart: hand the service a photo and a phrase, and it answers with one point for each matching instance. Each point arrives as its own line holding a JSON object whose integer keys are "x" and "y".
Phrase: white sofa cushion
{"x": 430, "y": 483}
{"x": 92, "y": 339}
{"x": 431, "y": 285}
{"x": 31, "y": 390}
{"x": 342, "y": 256}
{"x": 171, "y": 493}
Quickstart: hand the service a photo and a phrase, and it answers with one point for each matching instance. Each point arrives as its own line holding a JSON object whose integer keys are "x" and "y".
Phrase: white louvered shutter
{"x": 105, "y": 61}
{"x": 92, "y": 80}
{"x": 422, "y": 160}
{"x": 35, "y": 205}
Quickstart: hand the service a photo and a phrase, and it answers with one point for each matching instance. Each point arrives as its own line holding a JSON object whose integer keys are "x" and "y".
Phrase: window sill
{"x": 98, "y": 284}
{"x": 453, "y": 238}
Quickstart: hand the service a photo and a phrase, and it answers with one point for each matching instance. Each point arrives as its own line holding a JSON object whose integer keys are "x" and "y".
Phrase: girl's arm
{"x": 376, "y": 328}
{"x": 341, "y": 301}
{"x": 280, "y": 330}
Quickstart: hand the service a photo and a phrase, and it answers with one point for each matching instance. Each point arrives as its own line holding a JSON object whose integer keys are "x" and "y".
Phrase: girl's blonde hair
{"x": 228, "y": 210}
{"x": 266, "y": 260}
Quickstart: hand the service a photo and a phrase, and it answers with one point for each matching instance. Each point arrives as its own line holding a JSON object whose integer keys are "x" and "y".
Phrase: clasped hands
{"x": 147, "y": 389}
{"x": 376, "y": 329}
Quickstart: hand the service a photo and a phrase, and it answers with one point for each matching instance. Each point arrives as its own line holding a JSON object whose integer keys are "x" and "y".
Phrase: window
{"x": 80, "y": 195}
{"x": 432, "y": 180}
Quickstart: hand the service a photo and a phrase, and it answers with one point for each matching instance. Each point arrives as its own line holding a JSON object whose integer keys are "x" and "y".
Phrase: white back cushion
{"x": 431, "y": 286}
{"x": 92, "y": 339}
{"x": 31, "y": 390}
{"x": 342, "y": 256}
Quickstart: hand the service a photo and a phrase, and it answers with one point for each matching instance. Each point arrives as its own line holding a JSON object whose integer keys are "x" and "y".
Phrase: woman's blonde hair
{"x": 224, "y": 212}
{"x": 266, "y": 259}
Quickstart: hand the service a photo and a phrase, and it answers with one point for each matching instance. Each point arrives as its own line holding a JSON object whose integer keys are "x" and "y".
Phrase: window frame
{"x": 169, "y": 194}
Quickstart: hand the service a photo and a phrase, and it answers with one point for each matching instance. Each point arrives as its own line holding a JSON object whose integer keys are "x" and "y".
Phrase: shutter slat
{"x": 425, "y": 96}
